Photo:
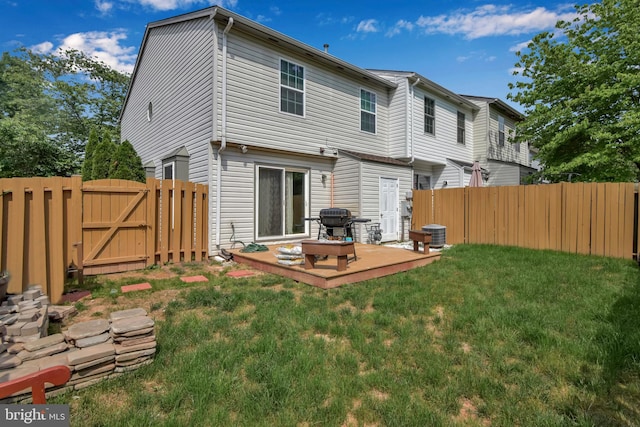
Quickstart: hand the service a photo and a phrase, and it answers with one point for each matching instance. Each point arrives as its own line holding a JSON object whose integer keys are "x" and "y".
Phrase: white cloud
{"x": 479, "y": 55}
{"x": 519, "y": 46}
{"x": 44, "y": 47}
{"x": 399, "y": 26}
{"x": 183, "y": 4}
{"x": 104, "y": 6}
{"x": 491, "y": 20}
{"x": 103, "y": 46}
{"x": 368, "y": 26}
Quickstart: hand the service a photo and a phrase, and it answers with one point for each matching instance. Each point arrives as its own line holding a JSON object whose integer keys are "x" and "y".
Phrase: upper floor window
{"x": 501, "y": 131}
{"x": 429, "y": 116}
{"x": 291, "y": 88}
{"x": 367, "y": 111}
{"x": 461, "y": 128}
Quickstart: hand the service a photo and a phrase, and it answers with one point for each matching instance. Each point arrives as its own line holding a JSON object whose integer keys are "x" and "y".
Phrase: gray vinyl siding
{"x": 347, "y": 185}
{"x": 332, "y": 103}
{"x": 181, "y": 96}
{"x": 503, "y": 174}
{"x": 238, "y": 193}
{"x": 506, "y": 153}
{"x": 371, "y": 174}
{"x": 480, "y": 133}
{"x": 399, "y": 122}
{"x": 444, "y": 144}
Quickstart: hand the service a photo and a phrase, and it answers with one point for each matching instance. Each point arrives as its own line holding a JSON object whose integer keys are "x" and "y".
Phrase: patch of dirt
{"x": 379, "y": 395}
{"x": 469, "y": 413}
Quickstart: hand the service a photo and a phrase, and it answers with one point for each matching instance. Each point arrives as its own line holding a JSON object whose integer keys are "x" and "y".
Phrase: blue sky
{"x": 468, "y": 47}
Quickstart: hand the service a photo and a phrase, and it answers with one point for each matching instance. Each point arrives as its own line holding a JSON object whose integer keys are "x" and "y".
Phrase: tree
{"x": 103, "y": 157}
{"x": 48, "y": 105}
{"x": 126, "y": 164}
{"x": 87, "y": 164}
{"x": 581, "y": 94}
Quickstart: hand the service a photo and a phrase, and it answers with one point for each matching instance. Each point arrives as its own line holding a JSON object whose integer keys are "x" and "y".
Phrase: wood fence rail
{"x": 51, "y": 226}
{"x": 586, "y": 218}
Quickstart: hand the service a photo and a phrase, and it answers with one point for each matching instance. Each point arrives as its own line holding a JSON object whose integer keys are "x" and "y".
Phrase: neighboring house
{"x": 280, "y": 130}
{"x": 504, "y": 162}
{"x": 433, "y": 129}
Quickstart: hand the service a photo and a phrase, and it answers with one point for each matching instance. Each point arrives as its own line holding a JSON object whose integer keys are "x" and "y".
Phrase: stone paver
{"x": 12, "y": 374}
{"x": 120, "y": 349}
{"x": 15, "y": 328}
{"x": 96, "y": 362}
{"x": 132, "y": 367}
{"x": 94, "y": 340}
{"x": 8, "y": 361}
{"x": 90, "y": 353}
{"x": 139, "y": 333}
{"x": 43, "y": 352}
{"x": 137, "y": 287}
{"x": 194, "y": 279}
{"x": 130, "y": 324}
{"x": 126, "y": 342}
{"x": 53, "y": 360}
{"x": 134, "y": 355}
{"x": 87, "y": 329}
{"x": 94, "y": 370}
{"x": 44, "y": 342}
{"x": 30, "y": 328}
{"x": 125, "y": 314}
{"x": 31, "y": 294}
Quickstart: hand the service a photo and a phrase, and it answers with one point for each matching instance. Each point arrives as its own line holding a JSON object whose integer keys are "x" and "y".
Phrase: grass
{"x": 486, "y": 336}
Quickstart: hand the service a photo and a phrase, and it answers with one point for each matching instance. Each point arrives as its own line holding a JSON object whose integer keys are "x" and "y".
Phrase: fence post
{"x": 152, "y": 238}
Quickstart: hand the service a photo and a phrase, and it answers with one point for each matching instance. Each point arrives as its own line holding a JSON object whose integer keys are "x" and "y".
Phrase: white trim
{"x": 304, "y": 87}
{"x": 375, "y": 114}
{"x": 307, "y": 196}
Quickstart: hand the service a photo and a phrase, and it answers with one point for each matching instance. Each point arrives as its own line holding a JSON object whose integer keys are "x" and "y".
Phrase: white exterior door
{"x": 389, "y": 208}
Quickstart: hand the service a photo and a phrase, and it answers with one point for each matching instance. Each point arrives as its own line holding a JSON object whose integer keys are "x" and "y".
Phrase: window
{"x": 461, "y": 128}
{"x": 421, "y": 182}
{"x": 291, "y": 88}
{"x": 167, "y": 170}
{"x": 367, "y": 111}
{"x": 429, "y": 116}
{"x": 282, "y": 199}
{"x": 501, "y": 131}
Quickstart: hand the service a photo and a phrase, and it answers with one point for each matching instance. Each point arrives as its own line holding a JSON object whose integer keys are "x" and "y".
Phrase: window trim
{"x": 307, "y": 198}
{"x": 501, "y": 133}
{"x": 281, "y": 86}
{"x": 374, "y": 113}
{"x": 432, "y": 117}
{"x": 462, "y": 129}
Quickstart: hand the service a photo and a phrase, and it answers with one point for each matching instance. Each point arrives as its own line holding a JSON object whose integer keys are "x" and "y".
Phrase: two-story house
{"x": 279, "y": 129}
{"x": 505, "y": 162}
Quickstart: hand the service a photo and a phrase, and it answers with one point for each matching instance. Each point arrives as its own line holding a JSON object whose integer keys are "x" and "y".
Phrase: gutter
{"x": 411, "y": 93}
{"x": 223, "y": 137}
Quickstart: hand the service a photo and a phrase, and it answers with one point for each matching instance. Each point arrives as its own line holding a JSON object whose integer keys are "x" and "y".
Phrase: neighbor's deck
{"x": 373, "y": 261}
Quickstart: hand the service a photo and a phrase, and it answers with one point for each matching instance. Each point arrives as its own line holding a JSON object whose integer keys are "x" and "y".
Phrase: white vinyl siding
{"x": 501, "y": 131}
{"x": 331, "y": 103}
{"x": 180, "y": 96}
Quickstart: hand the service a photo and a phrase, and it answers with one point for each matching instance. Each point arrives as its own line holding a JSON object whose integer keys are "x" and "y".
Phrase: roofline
{"x": 517, "y": 114}
{"x": 432, "y": 86}
{"x": 270, "y": 34}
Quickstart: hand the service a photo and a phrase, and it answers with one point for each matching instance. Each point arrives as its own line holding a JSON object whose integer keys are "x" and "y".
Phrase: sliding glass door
{"x": 282, "y": 201}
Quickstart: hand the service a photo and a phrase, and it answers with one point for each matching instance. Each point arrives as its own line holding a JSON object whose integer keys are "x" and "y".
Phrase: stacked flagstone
{"x": 134, "y": 338}
{"x": 93, "y": 350}
{"x": 23, "y": 317}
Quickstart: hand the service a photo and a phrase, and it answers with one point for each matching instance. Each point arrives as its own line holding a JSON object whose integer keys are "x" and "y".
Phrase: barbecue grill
{"x": 337, "y": 223}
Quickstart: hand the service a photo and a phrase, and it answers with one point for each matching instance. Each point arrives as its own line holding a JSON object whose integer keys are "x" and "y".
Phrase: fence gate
{"x": 115, "y": 219}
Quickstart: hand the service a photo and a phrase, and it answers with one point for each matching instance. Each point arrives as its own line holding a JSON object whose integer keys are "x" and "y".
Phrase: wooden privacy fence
{"x": 51, "y": 226}
{"x": 586, "y": 218}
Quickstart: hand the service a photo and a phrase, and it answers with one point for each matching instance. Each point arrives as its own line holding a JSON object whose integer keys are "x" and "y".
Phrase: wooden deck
{"x": 373, "y": 261}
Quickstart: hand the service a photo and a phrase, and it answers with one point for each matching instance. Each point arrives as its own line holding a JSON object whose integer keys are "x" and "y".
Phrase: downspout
{"x": 214, "y": 75}
{"x": 411, "y": 92}
{"x": 223, "y": 136}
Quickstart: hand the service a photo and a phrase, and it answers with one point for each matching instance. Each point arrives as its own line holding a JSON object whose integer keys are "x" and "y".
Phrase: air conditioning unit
{"x": 438, "y": 234}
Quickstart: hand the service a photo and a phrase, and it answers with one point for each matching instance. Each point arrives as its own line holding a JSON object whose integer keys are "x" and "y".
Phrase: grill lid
{"x": 335, "y": 217}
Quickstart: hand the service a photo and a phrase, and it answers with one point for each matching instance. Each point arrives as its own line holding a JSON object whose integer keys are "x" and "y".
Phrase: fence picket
{"x": 587, "y": 218}
{"x": 41, "y": 220}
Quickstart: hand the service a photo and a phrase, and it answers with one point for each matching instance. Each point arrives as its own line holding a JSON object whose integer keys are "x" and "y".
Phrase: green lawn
{"x": 485, "y": 336}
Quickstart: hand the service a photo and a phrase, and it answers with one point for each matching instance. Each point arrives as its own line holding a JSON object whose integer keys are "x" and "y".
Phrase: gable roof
{"x": 512, "y": 112}
{"x": 266, "y": 34}
{"x": 429, "y": 85}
